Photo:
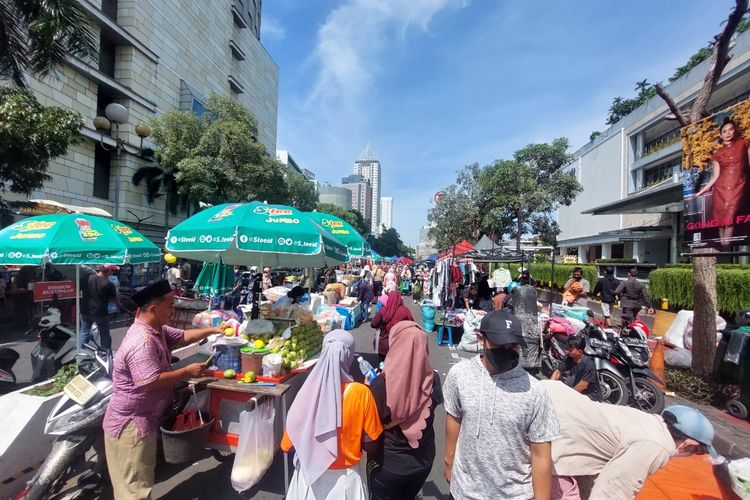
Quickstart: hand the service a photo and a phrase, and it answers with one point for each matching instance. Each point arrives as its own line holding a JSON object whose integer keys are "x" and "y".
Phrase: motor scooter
{"x": 77, "y": 427}
{"x": 56, "y": 347}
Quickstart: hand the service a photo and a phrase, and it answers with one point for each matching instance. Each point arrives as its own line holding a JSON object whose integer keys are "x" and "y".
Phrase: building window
{"x": 109, "y": 8}
{"x": 102, "y": 167}
{"x": 198, "y": 108}
{"x": 107, "y": 57}
{"x": 660, "y": 173}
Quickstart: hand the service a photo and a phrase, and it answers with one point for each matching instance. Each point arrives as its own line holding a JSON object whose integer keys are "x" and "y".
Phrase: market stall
{"x": 261, "y": 235}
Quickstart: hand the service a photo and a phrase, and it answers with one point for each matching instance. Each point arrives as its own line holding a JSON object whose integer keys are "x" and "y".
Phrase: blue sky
{"x": 434, "y": 85}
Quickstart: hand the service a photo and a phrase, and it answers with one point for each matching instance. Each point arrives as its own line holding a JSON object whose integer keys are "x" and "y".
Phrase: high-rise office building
{"x": 335, "y": 195}
{"x": 368, "y": 167}
{"x": 362, "y": 194}
{"x": 386, "y": 212}
{"x": 153, "y": 57}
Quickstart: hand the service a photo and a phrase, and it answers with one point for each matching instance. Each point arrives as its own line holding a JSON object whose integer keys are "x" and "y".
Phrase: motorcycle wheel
{"x": 614, "y": 389}
{"x": 648, "y": 397}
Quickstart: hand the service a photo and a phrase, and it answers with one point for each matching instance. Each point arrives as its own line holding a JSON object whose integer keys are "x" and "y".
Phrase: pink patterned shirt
{"x": 143, "y": 355}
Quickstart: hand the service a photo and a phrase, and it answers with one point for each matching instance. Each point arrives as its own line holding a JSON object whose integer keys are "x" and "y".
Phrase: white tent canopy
{"x": 43, "y": 207}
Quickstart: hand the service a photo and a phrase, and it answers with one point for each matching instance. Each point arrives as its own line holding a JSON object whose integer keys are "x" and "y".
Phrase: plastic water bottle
{"x": 367, "y": 370}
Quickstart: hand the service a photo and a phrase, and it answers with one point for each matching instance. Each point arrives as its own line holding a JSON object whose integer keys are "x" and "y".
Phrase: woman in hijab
{"x": 406, "y": 394}
{"x": 391, "y": 313}
{"x": 331, "y": 420}
{"x": 390, "y": 277}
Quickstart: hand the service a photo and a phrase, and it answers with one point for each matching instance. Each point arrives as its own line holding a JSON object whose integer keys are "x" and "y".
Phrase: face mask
{"x": 501, "y": 358}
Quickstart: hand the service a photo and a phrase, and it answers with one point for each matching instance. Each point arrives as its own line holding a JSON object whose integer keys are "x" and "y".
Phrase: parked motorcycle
{"x": 8, "y": 358}
{"x": 77, "y": 427}
{"x": 621, "y": 360}
{"x": 56, "y": 347}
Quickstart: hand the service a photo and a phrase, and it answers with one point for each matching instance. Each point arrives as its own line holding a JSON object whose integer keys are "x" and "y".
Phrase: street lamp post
{"x": 116, "y": 114}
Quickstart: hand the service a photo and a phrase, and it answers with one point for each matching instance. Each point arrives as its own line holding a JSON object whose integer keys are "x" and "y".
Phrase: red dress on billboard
{"x": 729, "y": 189}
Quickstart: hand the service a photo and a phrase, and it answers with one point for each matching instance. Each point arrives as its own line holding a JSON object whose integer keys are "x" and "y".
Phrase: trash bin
{"x": 428, "y": 315}
{"x": 732, "y": 366}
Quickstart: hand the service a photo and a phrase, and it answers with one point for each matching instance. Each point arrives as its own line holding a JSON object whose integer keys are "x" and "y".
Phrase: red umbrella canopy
{"x": 458, "y": 249}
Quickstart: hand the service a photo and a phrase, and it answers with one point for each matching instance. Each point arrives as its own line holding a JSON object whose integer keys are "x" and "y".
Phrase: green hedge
{"x": 687, "y": 265}
{"x": 676, "y": 284}
{"x": 615, "y": 261}
{"x": 543, "y": 273}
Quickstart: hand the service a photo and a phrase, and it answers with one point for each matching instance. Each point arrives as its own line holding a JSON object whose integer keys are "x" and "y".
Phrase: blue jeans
{"x": 105, "y": 340}
{"x": 365, "y": 312}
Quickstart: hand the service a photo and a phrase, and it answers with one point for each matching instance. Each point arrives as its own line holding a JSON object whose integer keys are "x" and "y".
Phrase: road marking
{"x": 454, "y": 355}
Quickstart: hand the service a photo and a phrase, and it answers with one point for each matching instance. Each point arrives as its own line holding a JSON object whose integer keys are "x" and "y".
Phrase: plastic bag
{"x": 688, "y": 339}
{"x": 256, "y": 327}
{"x": 275, "y": 293}
{"x": 469, "y": 341}
{"x": 272, "y": 365}
{"x": 255, "y": 448}
{"x": 739, "y": 471}
{"x": 679, "y": 357}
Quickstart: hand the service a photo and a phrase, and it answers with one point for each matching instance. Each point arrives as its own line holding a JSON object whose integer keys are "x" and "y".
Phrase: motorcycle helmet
{"x": 639, "y": 329}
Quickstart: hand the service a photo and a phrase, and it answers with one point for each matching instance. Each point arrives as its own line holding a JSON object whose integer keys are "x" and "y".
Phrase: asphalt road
{"x": 208, "y": 478}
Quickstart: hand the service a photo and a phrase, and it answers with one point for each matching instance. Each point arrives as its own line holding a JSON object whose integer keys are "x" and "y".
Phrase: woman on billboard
{"x": 731, "y": 167}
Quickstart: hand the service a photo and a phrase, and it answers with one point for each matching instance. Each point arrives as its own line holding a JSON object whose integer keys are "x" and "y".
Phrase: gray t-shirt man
{"x": 500, "y": 415}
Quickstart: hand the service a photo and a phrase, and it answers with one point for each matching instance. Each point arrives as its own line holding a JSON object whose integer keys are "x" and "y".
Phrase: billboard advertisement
{"x": 716, "y": 179}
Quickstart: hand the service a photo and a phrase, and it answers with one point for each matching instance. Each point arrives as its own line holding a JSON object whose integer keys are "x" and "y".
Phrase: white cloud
{"x": 355, "y": 35}
{"x": 271, "y": 29}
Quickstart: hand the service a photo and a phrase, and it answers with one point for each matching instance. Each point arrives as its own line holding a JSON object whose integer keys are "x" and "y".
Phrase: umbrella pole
{"x": 78, "y": 304}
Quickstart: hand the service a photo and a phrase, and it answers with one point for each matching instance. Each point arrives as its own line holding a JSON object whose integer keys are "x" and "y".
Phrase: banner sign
{"x": 716, "y": 179}
{"x": 44, "y": 290}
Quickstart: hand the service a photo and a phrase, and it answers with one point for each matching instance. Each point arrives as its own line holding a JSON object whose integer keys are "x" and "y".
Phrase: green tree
{"x": 302, "y": 194}
{"x": 36, "y": 37}
{"x": 622, "y": 107}
{"x": 389, "y": 243}
{"x": 450, "y": 218}
{"x": 214, "y": 159}
{"x": 353, "y": 217}
{"x": 177, "y": 134}
{"x": 533, "y": 185}
{"x": 30, "y": 135}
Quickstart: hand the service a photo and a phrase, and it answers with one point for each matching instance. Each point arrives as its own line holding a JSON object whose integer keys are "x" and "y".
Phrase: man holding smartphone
{"x": 143, "y": 380}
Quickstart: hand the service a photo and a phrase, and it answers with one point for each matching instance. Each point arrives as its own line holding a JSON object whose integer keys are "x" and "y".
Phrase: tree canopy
{"x": 507, "y": 197}
{"x": 24, "y": 162}
{"x": 37, "y": 36}
{"x": 217, "y": 158}
{"x": 389, "y": 244}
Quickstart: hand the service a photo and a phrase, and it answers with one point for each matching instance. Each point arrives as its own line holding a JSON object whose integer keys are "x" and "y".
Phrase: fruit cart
{"x": 228, "y": 397}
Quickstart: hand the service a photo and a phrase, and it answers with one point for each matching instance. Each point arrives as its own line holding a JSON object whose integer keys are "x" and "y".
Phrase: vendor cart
{"x": 227, "y": 399}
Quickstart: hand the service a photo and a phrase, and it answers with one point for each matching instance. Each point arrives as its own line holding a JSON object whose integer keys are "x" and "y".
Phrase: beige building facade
{"x": 155, "y": 56}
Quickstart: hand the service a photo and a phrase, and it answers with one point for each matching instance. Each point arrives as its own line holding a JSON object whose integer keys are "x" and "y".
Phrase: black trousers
{"x": 386, "y": 485}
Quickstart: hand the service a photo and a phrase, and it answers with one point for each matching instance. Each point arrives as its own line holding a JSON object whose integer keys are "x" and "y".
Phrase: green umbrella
{"x": 215, "y": 278}
{"x": 74, "y": 239}
{"x": 375, "y": 255}
{"x": 255, "y": 234}
{"x": 342, "y": 231}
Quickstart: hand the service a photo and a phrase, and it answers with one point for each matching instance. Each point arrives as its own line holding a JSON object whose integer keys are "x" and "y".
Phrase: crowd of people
{"x": 507, "y": 434}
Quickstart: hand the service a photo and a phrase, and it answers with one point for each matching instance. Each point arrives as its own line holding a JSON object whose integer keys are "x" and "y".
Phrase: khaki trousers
{"x": 131, "y": 462}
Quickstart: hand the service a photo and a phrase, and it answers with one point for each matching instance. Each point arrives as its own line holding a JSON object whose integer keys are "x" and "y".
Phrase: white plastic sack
{"x": 676, "y": 332}
{"x": 739, "y": 471}
{"x": 688, "y": 339}
{"x": 272, "y": 365}
{"x": 679, "y": 357}
{"x": 275, "y": 293}
{"x": 578, "y": 325}
{"x": 469, "y": 341}
{"x": 255, "y": 448}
